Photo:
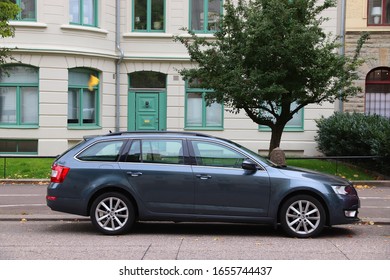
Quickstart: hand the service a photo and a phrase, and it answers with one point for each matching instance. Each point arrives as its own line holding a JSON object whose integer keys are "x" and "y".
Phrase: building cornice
{"x": 80, "y": 52}
{"x": 370, "y": 30}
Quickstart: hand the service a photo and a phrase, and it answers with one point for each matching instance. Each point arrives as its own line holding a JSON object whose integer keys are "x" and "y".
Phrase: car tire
{"x": 112, "y": 213}
{"x": 302, "y": 216}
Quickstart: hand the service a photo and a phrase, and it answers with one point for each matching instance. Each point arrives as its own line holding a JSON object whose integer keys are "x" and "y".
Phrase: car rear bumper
{"x": 68, "y": 205}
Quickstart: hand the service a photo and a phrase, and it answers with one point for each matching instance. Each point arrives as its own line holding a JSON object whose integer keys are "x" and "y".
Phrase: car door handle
{"x": 203, "y": 176}
{"x": 134, "y": 174}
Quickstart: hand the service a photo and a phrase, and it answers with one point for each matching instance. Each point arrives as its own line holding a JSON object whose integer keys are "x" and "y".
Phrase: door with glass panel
{"x": 223, "y": 187}
{"x": 156, "y": 170}
{"x": 147, "y": 101}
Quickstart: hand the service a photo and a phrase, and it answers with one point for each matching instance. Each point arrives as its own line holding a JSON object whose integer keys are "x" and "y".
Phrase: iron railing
{"x": 5, "y": 157}
{"x": 335, "y": 159}
{"x": 341, "y": 159}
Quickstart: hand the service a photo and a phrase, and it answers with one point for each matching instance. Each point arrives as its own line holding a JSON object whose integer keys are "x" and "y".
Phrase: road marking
{"x": 18, "y": 205}
{"x": 374, "y": 197}
{"x": 376, "y": 207}
{"x": 19, "y": 195}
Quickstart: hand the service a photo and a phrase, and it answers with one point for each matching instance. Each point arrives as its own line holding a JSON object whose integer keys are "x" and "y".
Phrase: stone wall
{"x": 376, "y": 53}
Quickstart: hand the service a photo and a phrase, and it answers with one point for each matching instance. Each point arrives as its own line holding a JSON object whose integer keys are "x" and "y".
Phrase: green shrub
{"x": 355, "y": 134}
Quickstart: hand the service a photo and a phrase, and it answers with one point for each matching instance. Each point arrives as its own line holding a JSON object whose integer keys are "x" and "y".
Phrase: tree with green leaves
{"x": 270, "y": 58}
{"x": 8, "y": 11}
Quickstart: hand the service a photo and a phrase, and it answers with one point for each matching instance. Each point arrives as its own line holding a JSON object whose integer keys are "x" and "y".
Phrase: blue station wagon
{"x": 120, "y": 178}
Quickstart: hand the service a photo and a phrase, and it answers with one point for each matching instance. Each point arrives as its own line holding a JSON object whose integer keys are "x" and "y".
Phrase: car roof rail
{"x": 158, "y": 132}
{"x": 88, "y": 137}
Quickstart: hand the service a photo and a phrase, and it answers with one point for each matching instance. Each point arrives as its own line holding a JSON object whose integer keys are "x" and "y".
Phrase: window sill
{"x": 286, "y": 129}
{"x": 84, "y": 127}
{"x": 136, "y": 34}
{"x": 21, "y": 154}
{"x": 28, "y": 24}
{"x": 200, "y": 34}
{"x": 19, "y": 126}
{"x": 82, "y": 28}
{"x": 203, "y": 128}
{"x": 370, "y": 28}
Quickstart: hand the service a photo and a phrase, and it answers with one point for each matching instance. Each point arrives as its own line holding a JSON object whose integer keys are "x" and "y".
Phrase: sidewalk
{"x": 373, "y": 183}
{"x": 44, "y": 217}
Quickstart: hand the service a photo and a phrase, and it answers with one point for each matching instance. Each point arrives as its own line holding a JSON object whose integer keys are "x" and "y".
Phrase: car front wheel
{"x": 302, "y": 216}
{"x": 112, "y": 213}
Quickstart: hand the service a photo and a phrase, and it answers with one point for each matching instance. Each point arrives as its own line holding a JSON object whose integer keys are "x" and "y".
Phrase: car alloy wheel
{"x": 302, "y": 216}
{"x": 112, "y": 213}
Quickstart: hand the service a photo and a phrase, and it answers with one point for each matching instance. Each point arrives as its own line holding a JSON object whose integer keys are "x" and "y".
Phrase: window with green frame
{"x": 199, "y": 114}
{"x": 16, "y": 146}
{"x": 149, "y": 15}
{"x": 295, "y": 124}
{"x": 28, "y": 10}
{"x": 204, "y": 15}
{"x": 19, "y": 96}
{"x": 83, "y": 12}
{"x": 83, "y": 102}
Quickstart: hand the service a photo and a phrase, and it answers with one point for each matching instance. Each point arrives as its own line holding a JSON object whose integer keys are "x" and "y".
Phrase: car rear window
{"x": 102, "y": 151}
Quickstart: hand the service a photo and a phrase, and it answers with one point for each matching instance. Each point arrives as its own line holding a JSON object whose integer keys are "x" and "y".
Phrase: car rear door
{"x": 157, "y": 171}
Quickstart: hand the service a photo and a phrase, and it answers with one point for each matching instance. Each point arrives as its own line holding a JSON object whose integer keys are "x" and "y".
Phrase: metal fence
{"x": 336, "y": 160}
{"x": 3, "y": 159}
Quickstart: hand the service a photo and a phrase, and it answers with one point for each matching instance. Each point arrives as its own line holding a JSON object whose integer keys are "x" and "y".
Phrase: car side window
{"x": 213, "y": 154}
{"x": 102, "y": 151}
{"x": 134, "y": 154}
{"x": 168, "y": 151}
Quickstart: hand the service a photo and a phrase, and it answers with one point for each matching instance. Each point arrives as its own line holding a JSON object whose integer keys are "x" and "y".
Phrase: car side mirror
{"x": 249, "y": 165}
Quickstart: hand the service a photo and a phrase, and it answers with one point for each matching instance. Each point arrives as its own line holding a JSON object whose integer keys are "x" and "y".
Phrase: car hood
{"x": 313, "y": 175}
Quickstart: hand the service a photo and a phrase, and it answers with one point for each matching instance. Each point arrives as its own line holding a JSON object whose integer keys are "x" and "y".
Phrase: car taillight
{"x": 58, "y": 173}
{"x": 51, "y": 198}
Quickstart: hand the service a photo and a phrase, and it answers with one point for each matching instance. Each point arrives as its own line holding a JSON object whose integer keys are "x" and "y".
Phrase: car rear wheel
{"x": 302, "y": 216}
{"x": 112, "y": 213}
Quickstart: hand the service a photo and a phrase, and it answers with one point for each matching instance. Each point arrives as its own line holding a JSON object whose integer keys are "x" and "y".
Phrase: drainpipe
{"x": 117, "y": 66}
{"x": 342, "y": 40}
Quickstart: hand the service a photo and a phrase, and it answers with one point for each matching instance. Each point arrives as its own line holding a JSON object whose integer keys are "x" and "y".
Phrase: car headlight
{"x": 344, "y": 190}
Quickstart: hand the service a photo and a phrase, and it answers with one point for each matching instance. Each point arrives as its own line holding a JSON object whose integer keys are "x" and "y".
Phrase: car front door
{"x": 157, "y": 172}
{"x": 223, "y": 187}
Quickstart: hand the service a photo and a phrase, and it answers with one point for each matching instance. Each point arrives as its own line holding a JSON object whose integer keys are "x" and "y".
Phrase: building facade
{"x": 372, "y": 16}
{"x": 47, "y": 100}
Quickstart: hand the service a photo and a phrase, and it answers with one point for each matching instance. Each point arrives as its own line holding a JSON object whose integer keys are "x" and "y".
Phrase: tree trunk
{"x": 276, "y": 137}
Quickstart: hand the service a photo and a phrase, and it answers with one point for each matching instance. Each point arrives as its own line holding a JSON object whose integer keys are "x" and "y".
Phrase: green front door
{"x": 147, "y": 111}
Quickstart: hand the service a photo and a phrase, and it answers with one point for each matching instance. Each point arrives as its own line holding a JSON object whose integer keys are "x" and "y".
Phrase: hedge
{"x": 355, "y": 134}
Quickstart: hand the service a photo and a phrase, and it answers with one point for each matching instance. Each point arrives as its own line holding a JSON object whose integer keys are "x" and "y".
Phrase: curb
{"x": 25, "y": 181}
{"x": 25, "y": 218}
{"x": 378, "y": 183}
{"x": 64, "y": 218}
{"x": 75, "y": 218}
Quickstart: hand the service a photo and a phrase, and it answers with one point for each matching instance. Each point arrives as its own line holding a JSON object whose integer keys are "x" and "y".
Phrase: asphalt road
{"x": 28, "y": 201}
{"x": 31, "y": 231}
